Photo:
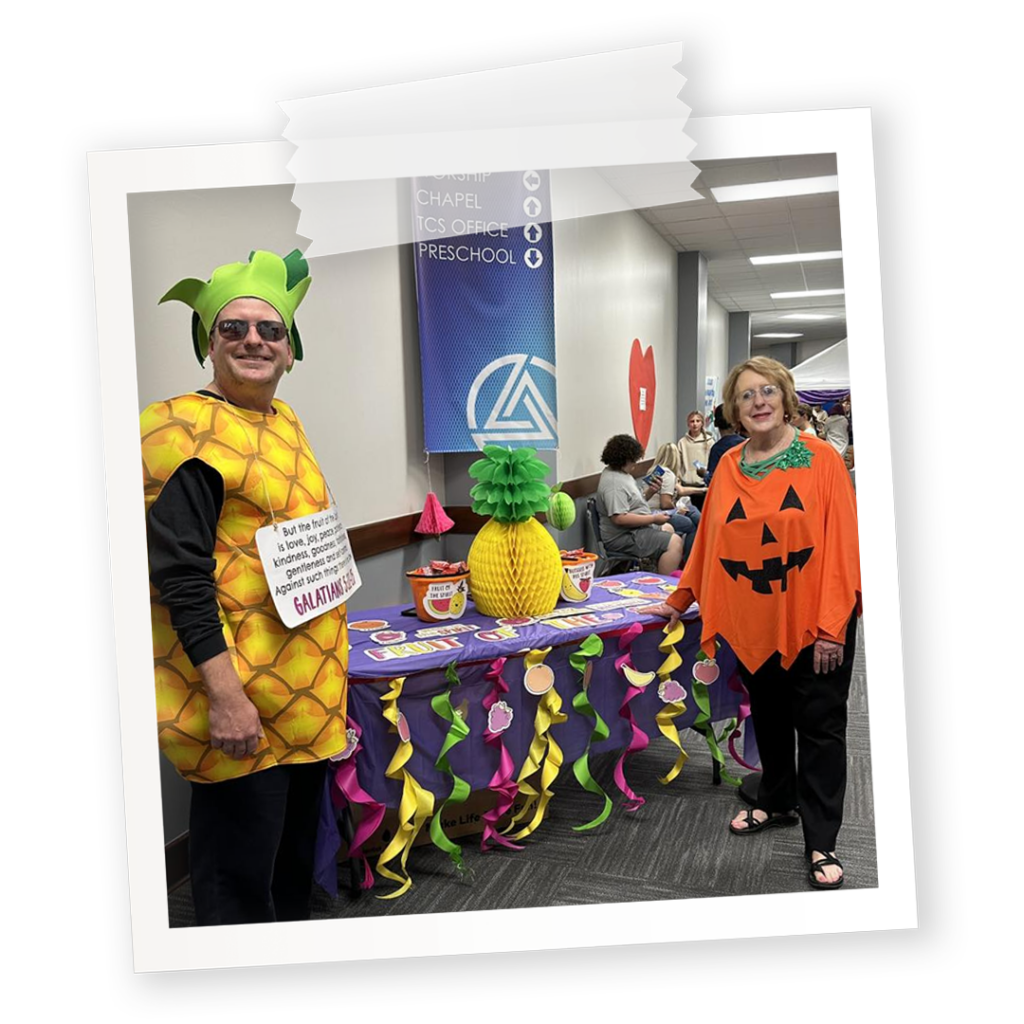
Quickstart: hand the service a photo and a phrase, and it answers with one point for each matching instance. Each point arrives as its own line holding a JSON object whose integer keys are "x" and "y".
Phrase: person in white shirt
{"x": 665, "y": 493}
{"x": 803, "y": 419}
{"x": 837, "y": 429}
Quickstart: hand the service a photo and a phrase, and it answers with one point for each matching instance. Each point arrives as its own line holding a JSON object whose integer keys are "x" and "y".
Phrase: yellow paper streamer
{"x": 544, "y": 755}
{"x": 664, "y": 718}
{"x": 415, "y": 808}
{"x": 548, "y": 713}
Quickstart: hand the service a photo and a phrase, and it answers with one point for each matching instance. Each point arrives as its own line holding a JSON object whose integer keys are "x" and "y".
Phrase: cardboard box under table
{"x": 472, "y": 659}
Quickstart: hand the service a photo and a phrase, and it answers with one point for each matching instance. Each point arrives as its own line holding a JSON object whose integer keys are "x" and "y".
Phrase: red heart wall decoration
{"x": 642, "y": 386}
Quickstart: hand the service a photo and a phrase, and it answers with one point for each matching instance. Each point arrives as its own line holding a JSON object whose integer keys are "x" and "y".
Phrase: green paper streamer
{"x": 591, "y": 647}
{"x": 457, "y": 732}
{"x": 703, "y": 725}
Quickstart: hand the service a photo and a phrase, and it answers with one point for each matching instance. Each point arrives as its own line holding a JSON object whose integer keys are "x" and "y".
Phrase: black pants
{"x": 800, "y": 724}
{"x": 251, "y": 845}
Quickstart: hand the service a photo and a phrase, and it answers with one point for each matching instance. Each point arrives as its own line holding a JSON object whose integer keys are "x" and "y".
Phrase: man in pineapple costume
{"x": 248, "y": 710}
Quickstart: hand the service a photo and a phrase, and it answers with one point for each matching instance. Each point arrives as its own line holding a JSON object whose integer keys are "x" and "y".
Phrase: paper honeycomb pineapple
{"x": 514, "y": 564}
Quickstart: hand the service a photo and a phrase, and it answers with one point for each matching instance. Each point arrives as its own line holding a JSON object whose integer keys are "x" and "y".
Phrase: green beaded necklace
{"x": 795, "y": 456}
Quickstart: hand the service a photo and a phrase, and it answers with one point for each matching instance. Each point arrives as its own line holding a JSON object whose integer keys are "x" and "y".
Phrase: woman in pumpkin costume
{"x": 776, "y": 570}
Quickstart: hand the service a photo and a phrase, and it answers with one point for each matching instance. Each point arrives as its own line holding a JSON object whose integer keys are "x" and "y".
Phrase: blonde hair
{"x": 668, "y": 456}
{"x": 773, "y": 371}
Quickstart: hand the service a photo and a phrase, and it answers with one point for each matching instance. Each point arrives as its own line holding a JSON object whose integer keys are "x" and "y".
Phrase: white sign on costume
{"x": 309, "y": 565}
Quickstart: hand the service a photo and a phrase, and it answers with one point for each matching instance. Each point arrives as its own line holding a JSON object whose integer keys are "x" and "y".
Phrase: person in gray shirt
{"x": 628, "y": 526}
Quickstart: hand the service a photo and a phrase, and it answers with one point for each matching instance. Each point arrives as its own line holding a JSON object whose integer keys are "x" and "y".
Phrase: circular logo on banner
{"x": 520, "y": 412}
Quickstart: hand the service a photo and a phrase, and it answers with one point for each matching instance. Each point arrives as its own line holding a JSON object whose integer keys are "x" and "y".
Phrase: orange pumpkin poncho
{"x": 775, "y": 565}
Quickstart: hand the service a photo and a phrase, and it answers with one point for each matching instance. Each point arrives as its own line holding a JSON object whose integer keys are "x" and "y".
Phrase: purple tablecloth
{"x": 475, "y": 761}
{"x": 612, "y": 607}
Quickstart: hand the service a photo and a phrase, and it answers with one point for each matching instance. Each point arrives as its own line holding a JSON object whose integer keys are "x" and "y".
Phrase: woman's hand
{"x": 663, "y": 610}
{"x": 828, "y": 656}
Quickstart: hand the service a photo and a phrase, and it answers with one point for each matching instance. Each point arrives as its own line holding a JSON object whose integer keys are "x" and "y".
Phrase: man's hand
{"x": 234, "y": 721}
{"x": 235, "y": 726}
{"x": 660, "y": 518}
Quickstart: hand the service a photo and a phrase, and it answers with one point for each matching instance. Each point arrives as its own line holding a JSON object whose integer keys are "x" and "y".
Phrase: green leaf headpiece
{"x": 511, "y": 487}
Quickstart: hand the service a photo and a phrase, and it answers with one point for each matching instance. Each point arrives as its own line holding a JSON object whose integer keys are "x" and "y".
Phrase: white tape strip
{"x": 608, "y": 126}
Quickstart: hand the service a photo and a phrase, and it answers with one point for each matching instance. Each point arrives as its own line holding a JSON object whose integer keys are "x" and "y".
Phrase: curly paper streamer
{"x": 458, "y": 730}
{"x": 501, "y": 783}
{"x": 736, "y": 685}
{"x": 347, "y": 789}
{"x": 415, "y": 807}
{"x": 664, "y": 718}
{"x": 544, "y": 755}
{"x": 638, "y": 738}
{"x": 535, "y": 755}
{"x": 591, "y": 647}
{"x": 703, "y": 725}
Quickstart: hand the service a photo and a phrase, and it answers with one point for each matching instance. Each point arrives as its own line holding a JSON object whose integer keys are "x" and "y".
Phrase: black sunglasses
{"x": 236, "y": 330}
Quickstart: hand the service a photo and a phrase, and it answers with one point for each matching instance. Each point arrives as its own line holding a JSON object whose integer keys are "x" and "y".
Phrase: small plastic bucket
{"x": 577, "y": 575}
{"x": 439, "y": 598}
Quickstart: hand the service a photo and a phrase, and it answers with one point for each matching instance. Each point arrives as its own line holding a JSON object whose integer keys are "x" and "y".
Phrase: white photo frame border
{"x": 156, "y": 946}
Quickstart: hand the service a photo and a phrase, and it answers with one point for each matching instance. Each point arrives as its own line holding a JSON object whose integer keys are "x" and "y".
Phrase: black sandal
{"x": 753, "y": 825}
{"x": 817, "y": 865}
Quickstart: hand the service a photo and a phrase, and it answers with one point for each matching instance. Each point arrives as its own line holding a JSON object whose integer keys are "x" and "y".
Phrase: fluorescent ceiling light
{"x": 797, "y": 257}
{"x": 778, "y": 335}
{"x": 808, "y": 295}
{"x": 808, "y": 316}
{"x": 775, "y": 189}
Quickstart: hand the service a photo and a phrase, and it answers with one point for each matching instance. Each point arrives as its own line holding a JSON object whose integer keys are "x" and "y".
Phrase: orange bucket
{"x": 439, "y": 598}
{"x": 577, "y": 575}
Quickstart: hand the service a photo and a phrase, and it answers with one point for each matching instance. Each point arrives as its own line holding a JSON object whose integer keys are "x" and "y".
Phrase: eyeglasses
{"x": 768, "y": 392}
{"x": 236, "y": 330}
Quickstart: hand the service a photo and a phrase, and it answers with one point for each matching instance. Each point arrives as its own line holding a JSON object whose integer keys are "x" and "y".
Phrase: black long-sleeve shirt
{"x": 181, "y": 531}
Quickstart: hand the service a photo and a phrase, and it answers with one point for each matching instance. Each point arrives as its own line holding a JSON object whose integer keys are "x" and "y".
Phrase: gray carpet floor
{"x": 676, "y": 846}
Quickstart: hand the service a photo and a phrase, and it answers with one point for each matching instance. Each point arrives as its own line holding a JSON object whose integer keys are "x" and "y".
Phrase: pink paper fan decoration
{"x": 434, "y": 519}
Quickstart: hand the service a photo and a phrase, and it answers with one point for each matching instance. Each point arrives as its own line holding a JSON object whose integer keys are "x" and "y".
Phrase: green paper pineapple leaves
{"x": 511, "y": 484}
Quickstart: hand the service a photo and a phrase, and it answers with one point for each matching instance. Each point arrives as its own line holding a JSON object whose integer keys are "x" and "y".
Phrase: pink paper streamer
{"x": 736, "y": 685}
{"x": 347, "y": 789}
{"x": 639, "y": 739}
{"x": 501, "y": 781}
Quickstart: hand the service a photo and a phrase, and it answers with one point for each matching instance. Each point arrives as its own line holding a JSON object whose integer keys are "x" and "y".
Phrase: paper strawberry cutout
{"x": 642, "y": 387}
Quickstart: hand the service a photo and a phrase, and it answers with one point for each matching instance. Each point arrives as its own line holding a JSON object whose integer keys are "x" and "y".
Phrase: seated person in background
{"x": 628, "y": 527}
{"x": 802, "y": 419}
{"x": 730, "y": 437}
{"x": 665, "y": 494}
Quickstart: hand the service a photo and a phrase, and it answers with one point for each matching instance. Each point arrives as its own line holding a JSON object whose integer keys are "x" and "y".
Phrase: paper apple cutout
{"x": 705, "y": 672}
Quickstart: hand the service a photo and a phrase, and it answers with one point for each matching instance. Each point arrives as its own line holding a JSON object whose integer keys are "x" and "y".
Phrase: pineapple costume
{"x": 514, "y": 564}
{"x": 296, "y": 678}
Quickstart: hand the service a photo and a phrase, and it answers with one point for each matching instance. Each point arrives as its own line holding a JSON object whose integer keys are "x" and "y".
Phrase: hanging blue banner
{"x": 485, "y": 297}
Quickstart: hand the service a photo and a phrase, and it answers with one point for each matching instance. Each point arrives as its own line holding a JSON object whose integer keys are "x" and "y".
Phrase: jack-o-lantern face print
{"x": 760, "y": 541}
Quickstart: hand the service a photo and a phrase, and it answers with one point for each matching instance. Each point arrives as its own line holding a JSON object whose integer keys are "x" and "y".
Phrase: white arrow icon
{"x": 533, "y": 233}
{"x": 531, "y": 179}
{"x": 531, "y": 207}
{"x": 533, "y": 258}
